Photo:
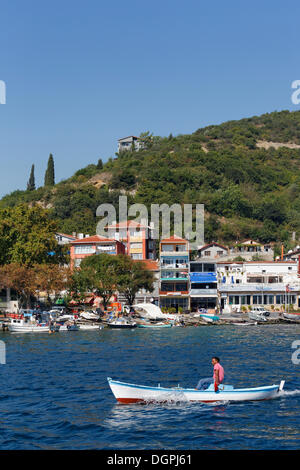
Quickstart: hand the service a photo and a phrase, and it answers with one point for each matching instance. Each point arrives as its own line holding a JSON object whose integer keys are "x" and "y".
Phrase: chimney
{"x": 80, "y": 235}
{"x": 74, "y": 234}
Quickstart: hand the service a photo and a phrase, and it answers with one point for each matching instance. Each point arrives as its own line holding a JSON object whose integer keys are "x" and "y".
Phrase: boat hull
{"x": 131, "y": 393}
{"x": 28, "y": 329}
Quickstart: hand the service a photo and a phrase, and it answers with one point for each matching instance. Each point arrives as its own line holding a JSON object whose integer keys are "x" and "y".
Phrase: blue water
{"x": 54, "y": 393}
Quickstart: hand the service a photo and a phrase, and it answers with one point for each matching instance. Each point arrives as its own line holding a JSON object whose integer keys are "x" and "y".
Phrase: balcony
{"x": 204, "y": 292}
{"x": 256, "y": 287}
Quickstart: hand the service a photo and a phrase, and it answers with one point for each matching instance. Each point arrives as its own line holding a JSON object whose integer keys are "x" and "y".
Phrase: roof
{"x": 213, "y": 244}
{"x": 123, "y": 138}
{"x": 92, "y": 239}
{"x": 66, "y": 235}
{"x": 174, "y": 238}
{"x": 150, "y": 264}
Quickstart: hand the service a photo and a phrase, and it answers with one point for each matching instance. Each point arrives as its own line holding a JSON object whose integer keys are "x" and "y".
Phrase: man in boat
{"x": 218, "y": 376}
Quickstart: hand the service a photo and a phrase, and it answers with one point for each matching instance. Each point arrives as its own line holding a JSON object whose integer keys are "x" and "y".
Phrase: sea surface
{"x": 54, "y": 392}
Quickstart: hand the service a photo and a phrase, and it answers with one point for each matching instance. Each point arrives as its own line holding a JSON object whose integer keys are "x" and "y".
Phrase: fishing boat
{"x": 131, "y": 393}
{"x": 22, "y": 325}
{"x": 123, "y": 323}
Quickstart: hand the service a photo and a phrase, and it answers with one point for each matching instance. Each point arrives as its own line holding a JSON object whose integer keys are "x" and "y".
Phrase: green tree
{"x": 97, "y": 274}
{"x": 27, "y": 236}
{"x": 132, "y": 276}
{"x": 50, "y": 174}
{"x": 31, "y": 181}
{"x": 100, "y": 164}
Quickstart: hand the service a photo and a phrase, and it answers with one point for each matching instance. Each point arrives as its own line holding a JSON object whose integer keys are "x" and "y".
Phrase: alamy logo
{"x": 2, "y": 353}
{"x": 2, "y": 92}
{"x": 296, "y": 94}
{"x": 187, "y": 220}
{"x": 296, "y": 354}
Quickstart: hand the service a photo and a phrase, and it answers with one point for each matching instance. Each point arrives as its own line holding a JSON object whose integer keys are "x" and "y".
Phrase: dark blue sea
{"x": 54, "y": 393}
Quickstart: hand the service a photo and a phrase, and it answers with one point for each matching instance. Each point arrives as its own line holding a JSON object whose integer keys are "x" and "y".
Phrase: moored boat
{"x": 295, "y": 316}
{"x": 130, "y": 393}
{"x": 155, "y": 325}
{"x": 20, "y": 325}
{"x": 123, "y": 323}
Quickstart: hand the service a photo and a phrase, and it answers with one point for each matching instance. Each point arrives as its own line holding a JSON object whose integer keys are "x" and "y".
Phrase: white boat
{"x": 244, "y": 323}
{"x": 131, "y": 393}
{"x": 89, "y": 327}
{"x": 121, "y": 322}
{"x": 292, "y": 316}
{"x": 153, "y": 312}
{"x": 21, "y": 325}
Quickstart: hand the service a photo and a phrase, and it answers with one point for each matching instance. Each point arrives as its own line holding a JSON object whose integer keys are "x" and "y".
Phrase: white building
{"x": 268, "y": 283}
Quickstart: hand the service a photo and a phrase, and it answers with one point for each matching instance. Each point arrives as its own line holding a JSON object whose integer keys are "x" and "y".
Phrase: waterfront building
{"x": 243, "y": 284}
{"x": 203, "y": 285}
{"x": 136, "y": 237}
{"x": 174, "y": 273}
{"x": 87, "y": 246}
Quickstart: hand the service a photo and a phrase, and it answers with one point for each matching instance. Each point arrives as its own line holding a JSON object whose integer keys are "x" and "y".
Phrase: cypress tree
{"x": 100, "y": 164}
{"x": 31, "y": 181}
{"x": 49, "y": 175}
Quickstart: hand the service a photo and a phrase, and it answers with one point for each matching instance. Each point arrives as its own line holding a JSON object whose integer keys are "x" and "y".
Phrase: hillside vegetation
{"x": 249, "y": 183}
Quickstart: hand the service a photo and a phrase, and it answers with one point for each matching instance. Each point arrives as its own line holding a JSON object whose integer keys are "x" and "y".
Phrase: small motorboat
{"x": 155, "y": 325}
{"x": 131, "y": 393}
{"x": 244, "y": 323}
{"x": 122, "y": 322}
{"x": 85, "y": 327}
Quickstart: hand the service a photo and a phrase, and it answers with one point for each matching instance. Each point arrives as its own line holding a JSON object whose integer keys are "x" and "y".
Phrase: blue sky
{"x": 80, "y": 75}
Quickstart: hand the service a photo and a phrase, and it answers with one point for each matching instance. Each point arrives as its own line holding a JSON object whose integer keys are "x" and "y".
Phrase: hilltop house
{"x": 129, "y": 143}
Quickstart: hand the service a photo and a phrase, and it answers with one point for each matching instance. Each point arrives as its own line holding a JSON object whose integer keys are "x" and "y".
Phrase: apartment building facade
{"x": 174, "y": 273}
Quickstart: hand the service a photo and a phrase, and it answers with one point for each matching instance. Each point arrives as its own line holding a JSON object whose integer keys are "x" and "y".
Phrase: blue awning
{"x": 203, "y": 277}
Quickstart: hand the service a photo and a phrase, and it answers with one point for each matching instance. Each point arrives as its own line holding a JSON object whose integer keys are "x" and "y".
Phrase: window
{"x": 206, "y": 253}
{"x": 84, "y": 249}
{"x": 219, "y": 253}
{"x": 136, "y": 256}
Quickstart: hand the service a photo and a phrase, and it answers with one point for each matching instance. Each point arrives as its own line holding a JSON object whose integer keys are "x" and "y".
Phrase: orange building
{"x": 136, "y": 238}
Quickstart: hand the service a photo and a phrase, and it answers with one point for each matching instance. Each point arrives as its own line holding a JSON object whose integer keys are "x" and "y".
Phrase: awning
{"x": 203, "y": 277}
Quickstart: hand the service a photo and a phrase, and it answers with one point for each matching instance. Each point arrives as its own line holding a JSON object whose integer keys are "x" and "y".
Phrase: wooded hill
{"x": 246, "y": 172}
